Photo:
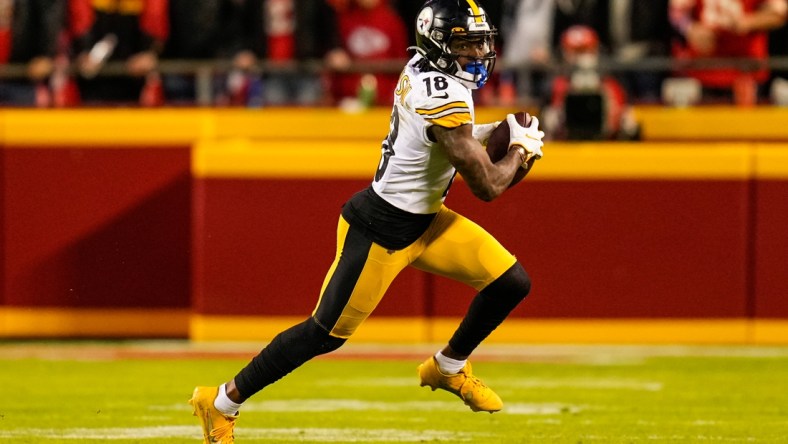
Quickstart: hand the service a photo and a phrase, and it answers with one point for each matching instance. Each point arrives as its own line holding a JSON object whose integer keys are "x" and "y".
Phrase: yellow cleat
{"x": 469, "y": 388}
{"x": 217, "y": 428}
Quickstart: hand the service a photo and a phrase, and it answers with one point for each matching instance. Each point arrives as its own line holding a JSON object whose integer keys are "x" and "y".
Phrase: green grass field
{"x": 137, "y": 392}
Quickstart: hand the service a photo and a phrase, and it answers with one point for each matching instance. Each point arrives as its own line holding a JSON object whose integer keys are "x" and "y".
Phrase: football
{"x": 498, "y": 144}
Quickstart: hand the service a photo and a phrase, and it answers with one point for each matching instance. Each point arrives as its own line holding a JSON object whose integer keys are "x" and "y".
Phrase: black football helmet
{"x": 440, "y": 21}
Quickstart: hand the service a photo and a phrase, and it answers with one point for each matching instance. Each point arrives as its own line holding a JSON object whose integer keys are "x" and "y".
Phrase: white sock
{"x": 225, "y": 404}
{"x": 448, "y": 365}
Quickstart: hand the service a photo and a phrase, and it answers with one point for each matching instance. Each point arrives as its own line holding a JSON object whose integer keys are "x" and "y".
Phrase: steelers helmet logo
{"x": 424, "y": 21}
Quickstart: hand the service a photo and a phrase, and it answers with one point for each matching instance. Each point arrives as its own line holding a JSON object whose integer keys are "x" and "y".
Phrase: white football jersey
{"x": 414, "y": 175}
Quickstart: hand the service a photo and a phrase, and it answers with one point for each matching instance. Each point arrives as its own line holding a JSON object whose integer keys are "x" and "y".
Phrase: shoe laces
{"x": 224, "y": 432}
{"x": 475, "y": 384}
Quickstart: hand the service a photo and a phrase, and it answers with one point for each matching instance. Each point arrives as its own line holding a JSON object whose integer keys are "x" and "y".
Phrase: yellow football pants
{"x": 453, "y": 247}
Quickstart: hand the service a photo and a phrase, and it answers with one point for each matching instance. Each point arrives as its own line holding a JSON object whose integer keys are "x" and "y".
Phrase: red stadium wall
{"x": 3, "y": 186}
{"x": 617, "y": 249}
{"x": 621, "y": 248}
{"x": 97, "y": 228}
{"x": 769, "y": 241}
{"x": 263, "y": 247}
{"x": 221, "y": 225}
{"x": 631, "y": 238}
{"x": 96, "y": 220}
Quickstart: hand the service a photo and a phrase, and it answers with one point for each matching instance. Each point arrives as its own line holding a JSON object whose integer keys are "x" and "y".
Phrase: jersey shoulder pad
{"x": 442, "y": 101}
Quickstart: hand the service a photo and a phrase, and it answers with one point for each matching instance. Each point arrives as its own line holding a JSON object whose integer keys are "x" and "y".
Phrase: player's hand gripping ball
{"x": 525, "y": 134}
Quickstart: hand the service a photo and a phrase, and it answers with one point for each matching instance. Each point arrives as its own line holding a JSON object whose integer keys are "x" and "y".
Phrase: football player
{"x": 400, "y": 220}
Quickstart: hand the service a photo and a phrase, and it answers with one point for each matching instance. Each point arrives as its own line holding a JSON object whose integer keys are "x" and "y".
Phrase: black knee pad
{"x": 489, "y": 309}
{"x": 322, "y": 342}
{"x": 513, "y": 285}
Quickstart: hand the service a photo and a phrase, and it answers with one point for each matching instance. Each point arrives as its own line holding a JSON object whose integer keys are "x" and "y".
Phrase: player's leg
{"x": 488, "y": 309}
{"x": 355, "y": 283}
{"x": 461, "y": 250}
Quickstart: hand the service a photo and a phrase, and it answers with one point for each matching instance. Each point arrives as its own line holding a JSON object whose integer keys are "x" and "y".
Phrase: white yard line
{"x": 588, "y": 383}
{"x": 335, "y": 405}
{"x": 257, "y": 434}
{"x": 338, "y": 435}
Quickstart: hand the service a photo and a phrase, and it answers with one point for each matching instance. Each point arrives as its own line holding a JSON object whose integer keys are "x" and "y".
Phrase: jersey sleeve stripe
{"x": 452, "y": 120}
{"x": 449, "y": 115}
{"x": 452, "y": 106}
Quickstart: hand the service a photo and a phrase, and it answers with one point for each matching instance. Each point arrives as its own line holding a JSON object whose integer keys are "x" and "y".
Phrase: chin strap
{"x": 478, "y": 70}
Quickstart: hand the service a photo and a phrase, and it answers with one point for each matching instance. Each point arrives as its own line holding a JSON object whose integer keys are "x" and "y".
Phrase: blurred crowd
{"x": 348, "y": 52}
